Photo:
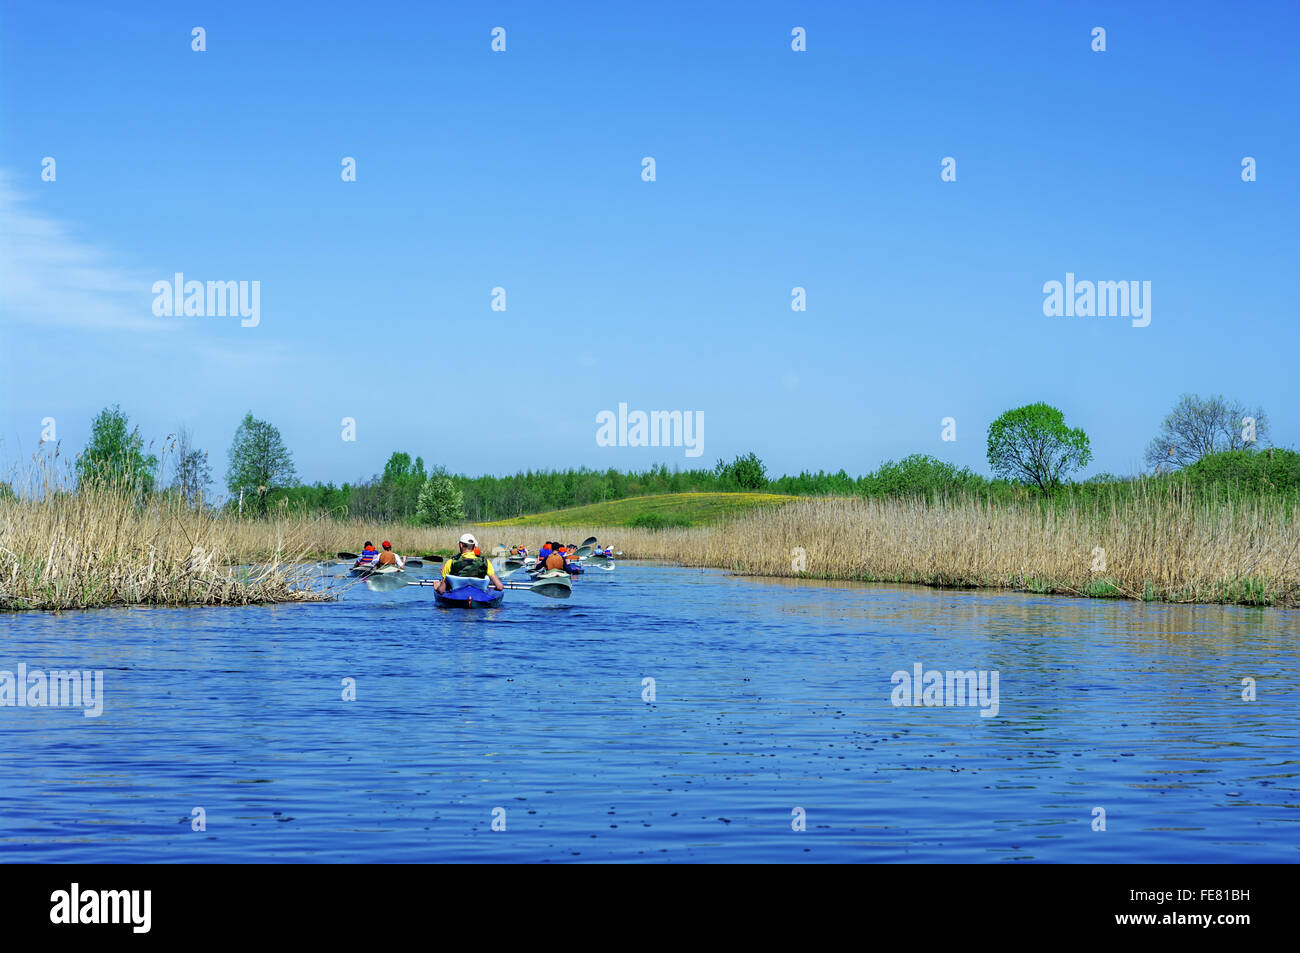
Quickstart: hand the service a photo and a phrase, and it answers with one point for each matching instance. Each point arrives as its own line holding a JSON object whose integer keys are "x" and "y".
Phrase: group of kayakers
{"x": 469, "y": 579}
{"x": 554, "y": 555}
{"x": 469, "y": 561}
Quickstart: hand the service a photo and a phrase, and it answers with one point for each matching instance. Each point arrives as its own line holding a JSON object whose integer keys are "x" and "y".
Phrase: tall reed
{"x": 1170, "y": 547}
{"x": 109, "y": 544}
{"x": 105, "y": 545}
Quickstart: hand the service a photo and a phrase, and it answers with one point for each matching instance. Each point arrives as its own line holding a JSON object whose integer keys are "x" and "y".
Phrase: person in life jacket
{"x": 469, "y": 562}
{"x": 368, "y": 555}
{"x": 556, "y": 559}
{"x": 390, "y": 558}
{"x": 546, "y": 550}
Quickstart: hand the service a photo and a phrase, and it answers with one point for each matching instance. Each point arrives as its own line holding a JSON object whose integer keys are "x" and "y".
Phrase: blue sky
{"x": 522, "y": 169}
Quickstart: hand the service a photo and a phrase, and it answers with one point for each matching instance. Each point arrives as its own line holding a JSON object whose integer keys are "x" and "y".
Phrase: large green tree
{"x": 259, "y": 462}
{"x": 115, "y": 454}
{"x": 1033, "y": 445}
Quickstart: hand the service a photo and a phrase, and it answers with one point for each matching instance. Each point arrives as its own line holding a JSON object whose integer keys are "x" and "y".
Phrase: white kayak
{"x": 379, "y": 577}
{"x": 374, "y": 570}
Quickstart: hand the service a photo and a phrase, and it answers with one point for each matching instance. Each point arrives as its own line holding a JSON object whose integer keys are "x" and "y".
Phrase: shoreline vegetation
{"x": 106, "y": 545}
{"x": 1165, "y": 547}
{"x": 1216, "y": 521}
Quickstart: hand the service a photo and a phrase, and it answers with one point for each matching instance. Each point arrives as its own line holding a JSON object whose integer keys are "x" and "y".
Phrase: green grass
{"x": 1102, "y": 589}
{"x": 659, "y": 511}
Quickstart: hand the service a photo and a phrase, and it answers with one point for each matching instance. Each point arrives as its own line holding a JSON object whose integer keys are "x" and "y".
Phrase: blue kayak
{"x": 469, "y": 597}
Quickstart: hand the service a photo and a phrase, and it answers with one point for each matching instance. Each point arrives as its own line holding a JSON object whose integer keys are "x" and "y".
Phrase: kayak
{"x": 550, "y": 578}
{"x": 468, "y": 593}
{"x": 384, "y": 577}
{"x": 364, "y": 571}
{"x": 469, "y": 598}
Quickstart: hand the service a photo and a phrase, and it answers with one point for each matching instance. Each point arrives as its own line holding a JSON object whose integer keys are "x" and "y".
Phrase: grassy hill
{"x": 653, "y": 512}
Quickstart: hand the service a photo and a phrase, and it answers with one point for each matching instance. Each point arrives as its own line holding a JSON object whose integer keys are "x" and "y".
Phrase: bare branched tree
{"x": 1197, "y": 427}
{"x": 193, "y": 475}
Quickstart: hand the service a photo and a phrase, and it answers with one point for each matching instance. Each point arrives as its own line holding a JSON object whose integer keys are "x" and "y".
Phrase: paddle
{"x": 410, "y": 560}
{"x": 432, "y": 557}
{"x": 589, "y": 540}
{"x": 552, "y": 588}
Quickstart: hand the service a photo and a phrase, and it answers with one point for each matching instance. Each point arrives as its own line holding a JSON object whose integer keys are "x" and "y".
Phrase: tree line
{"x": 1030, "y": 450}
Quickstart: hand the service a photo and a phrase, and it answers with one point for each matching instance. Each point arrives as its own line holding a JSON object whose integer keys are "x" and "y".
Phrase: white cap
{"x": 469, "y": 540}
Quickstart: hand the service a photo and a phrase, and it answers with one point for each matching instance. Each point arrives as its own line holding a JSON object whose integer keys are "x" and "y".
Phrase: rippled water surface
{"x": 769, "y": 696}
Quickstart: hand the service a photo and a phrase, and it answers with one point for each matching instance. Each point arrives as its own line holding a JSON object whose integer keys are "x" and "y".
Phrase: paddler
{"x": 390, "y": 558}
{"x": 368, "y": 555}
{"x": 469, "y": 562}
{"x": 556, "y": 559}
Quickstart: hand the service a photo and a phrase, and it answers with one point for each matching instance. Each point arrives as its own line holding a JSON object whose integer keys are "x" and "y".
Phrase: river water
{"x": 531, "y": 732}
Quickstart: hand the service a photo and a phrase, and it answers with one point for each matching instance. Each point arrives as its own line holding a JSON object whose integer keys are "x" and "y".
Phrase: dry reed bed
{"x": 102, "y": 548}
{"x": 1172, "y": 549}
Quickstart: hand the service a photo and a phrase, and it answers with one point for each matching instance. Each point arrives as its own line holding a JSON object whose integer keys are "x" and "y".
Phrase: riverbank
{"x": 65, "y": 551}
{"x": 1164, "y": 547}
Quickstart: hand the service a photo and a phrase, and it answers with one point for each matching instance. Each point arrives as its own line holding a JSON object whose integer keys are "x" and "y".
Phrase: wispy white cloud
{"x": 50, "y": 277}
